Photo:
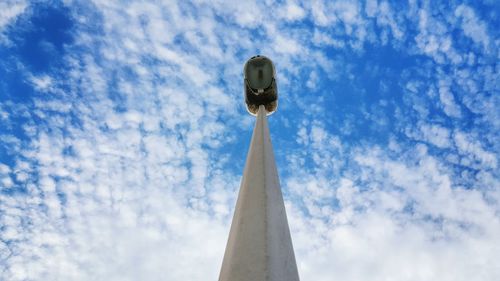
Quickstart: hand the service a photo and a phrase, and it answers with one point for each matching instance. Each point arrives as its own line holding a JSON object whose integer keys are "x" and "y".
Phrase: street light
{"x": 260, "y": 85}
{"x": 259, "y": 246}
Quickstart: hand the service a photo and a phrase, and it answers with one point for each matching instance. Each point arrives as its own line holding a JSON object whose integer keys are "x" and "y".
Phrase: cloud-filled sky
{"x": 123, "y": 135}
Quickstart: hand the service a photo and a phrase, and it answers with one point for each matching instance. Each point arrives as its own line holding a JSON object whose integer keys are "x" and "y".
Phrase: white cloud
{"x": 5, "y": 179}
{"x": 447, "y": 99}
{"x": 292, "y": 11}
{"x": 323, "y": 38}
{"x": 435, "y": 37}
{"x": 286, "y": 45}
{"x": 371, "y": 8}
{"x": 472, "y": 27}
{"x": 41, "y": 83}
{"x": 9, "y": 10}
{"x": 312, "y": 82}
{"x": 386, "y": 18}
{"x": 393, "y": 212}
{"x": 326, "y": 13}
{"x": 437, "y": 135}
{"x": 126, "y": 168}
{"x": 473, "y": 151}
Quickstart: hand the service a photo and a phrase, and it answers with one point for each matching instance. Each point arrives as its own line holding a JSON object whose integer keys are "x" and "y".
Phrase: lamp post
{"x": 259, "y": 247}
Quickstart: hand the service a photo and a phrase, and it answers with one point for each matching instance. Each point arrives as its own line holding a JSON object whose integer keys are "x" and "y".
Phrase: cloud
{"x": 390, "y": 209}
{"x": 468, "y": 146}
{"x": 122, "y": 160}
{"x": 437, "y": 135}
{"x": 472, "y": 27}
{"x": 292, "y": 11}
{"x": 447, "y": 100}
{"x": 9, "y": 11}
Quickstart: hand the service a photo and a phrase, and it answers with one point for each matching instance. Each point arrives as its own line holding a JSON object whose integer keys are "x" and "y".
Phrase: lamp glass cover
{"x": 259, "y": 73}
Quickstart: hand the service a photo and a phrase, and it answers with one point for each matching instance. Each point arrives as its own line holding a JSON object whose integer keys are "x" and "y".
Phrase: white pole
{"x": 259, "y": 247}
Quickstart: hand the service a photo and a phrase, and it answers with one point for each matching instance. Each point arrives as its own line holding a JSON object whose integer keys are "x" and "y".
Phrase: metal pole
{"x": 259, "y": 247}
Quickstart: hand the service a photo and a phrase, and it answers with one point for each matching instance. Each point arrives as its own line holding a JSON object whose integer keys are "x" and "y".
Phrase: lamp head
{"x": 260, "y": 85}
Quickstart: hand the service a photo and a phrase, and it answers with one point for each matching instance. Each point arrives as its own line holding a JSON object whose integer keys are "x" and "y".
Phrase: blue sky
{"x": 123, "y": 135}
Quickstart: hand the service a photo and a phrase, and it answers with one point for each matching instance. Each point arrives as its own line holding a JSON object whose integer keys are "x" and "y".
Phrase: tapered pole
{"x": 259, "y": 247}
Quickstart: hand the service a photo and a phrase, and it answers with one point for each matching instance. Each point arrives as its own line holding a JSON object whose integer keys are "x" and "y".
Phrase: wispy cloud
{"x": 122, "y": 145}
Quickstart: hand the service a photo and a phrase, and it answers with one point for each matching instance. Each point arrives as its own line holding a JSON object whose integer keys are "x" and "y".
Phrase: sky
{"x": 123, "y": 136}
